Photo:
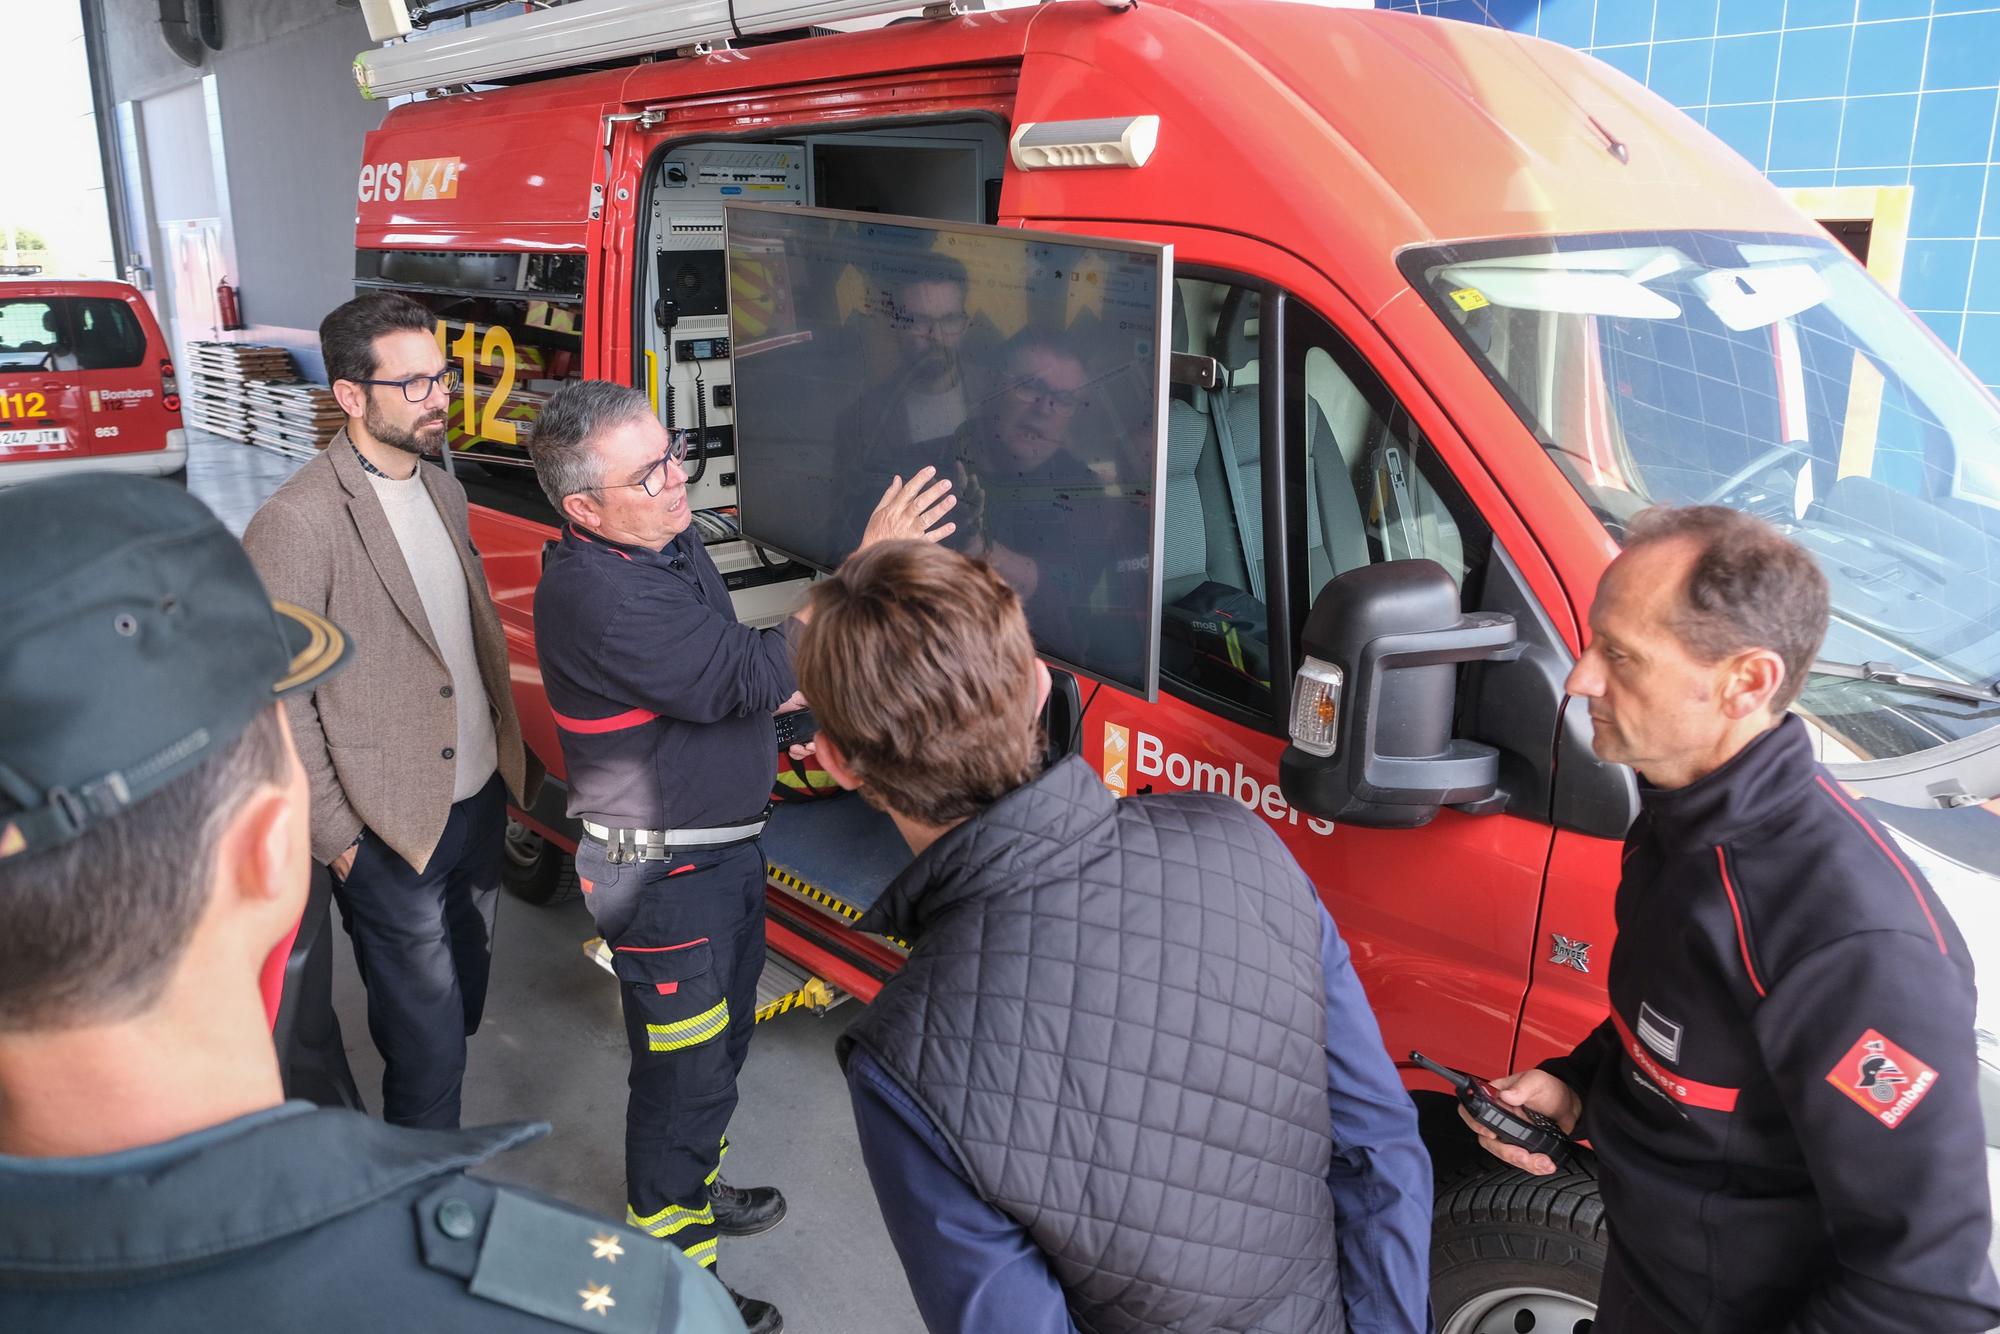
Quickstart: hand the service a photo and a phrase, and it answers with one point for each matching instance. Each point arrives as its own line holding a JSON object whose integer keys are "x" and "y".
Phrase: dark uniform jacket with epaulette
{"x": 303, "y": 1220}
{"x": 1784, "y": 1101}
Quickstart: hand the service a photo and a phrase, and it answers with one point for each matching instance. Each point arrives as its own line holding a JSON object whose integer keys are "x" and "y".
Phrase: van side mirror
{"x": 1373, "y": 703}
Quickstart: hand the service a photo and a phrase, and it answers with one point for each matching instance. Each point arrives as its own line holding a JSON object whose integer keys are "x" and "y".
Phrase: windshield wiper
{"x": 1929, "y": 685}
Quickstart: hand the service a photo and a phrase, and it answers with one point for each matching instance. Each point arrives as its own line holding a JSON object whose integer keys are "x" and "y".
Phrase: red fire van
{"x": 1460, "y": 296}
{"x": 86, "y": 382}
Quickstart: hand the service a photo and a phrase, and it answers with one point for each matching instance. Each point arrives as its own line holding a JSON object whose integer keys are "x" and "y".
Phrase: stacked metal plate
{"x": 219, "y": 377}
{"x": 293, "y": 418}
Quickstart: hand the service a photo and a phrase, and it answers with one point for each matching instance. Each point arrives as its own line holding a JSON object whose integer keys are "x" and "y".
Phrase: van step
{"x": 782, "y": 986}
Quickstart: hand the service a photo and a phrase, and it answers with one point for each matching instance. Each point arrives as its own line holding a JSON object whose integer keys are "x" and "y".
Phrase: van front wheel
{"x": 535, "y": 870}
{"x": 1512, "y": 1252}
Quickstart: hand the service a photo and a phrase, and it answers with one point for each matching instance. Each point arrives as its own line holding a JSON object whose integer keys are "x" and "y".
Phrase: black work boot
{"x": 760, "y": 1316}
{"x": 745, "y": 1211}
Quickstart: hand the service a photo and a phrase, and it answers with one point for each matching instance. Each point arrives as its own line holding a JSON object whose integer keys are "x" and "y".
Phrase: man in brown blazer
{"x": 414, "y": 750}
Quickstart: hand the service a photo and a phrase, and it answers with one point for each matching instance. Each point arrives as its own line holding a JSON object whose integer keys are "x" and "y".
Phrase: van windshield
{"x": 1768, "y": 373}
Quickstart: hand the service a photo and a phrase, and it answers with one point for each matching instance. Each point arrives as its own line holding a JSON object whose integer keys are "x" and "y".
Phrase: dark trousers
{"x": 1619, "y": 1310}
{"x": 687, "y": 942}
{"x": 423, "y": 943}
{"x": 312, "y": 1058}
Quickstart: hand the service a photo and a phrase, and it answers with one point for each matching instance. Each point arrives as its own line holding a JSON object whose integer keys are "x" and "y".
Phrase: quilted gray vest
{"x": 1115, "y": 1011}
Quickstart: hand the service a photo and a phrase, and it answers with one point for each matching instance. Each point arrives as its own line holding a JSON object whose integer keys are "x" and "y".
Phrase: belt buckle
{"x": 621, "y": 849}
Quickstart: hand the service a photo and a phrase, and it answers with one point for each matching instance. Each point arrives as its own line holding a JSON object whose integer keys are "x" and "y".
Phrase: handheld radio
{"x": 795, "y": 728}
{"x": 1518, "y": 1126}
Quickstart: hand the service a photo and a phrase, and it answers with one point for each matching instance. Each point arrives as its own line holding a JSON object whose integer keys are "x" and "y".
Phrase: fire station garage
{"x": 1300, "y": 365}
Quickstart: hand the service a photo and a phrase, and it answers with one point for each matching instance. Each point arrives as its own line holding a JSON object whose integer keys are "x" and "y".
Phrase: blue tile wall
{"x": 1746, "y": 69}
{"x": 1947, "y": 200}
{"x": 1745, "y": 15}
{"x": 1946, "y": 324}
{"x": 1937, "y": 275}
{"x": 1813, "y": 62}
{"x": 1878, "y": 131}
{"x": 1675, "y": 19}
{"x": 1872, "y": 10}
{"x": 1828, "y": 92}
{"x": 1965, "y": 50}
{"x": 1627, "y": 21}
{"x": 1805, "y": 134}
{"x": 1956, "y": 127}
{"x": 1747, "y": 129}
{"x": 1985, "y": 294}
{"x": 1679, "y": 71}
{"x": 1888, "y": 57}
{"x": 1979, "y": 347}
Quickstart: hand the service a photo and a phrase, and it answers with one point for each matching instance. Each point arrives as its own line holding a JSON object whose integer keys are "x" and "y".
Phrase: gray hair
{"x": 1750, "y": 587}
{"x": 571, "y": 421}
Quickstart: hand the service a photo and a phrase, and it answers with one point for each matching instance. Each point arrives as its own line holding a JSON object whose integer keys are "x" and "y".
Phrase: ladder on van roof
{"x": 585, "y": 32}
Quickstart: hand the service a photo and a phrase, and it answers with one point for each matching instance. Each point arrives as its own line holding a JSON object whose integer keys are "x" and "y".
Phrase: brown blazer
{"x": 373, "y": 736}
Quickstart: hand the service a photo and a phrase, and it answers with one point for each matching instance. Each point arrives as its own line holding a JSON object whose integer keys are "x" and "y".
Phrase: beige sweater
{"x": 428, "y": 551}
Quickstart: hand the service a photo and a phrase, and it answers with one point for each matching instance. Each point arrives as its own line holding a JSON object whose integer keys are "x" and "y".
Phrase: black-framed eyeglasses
{"x": 1063, "y": 402}
{"x": 949, "y": 325}
{"x": 418, "y": 387}
{"x": 654, "y": 479}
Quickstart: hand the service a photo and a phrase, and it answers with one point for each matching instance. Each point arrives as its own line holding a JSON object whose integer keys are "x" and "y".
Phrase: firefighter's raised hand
{"x": 912, "y": 511}
{"x": 1538, "y": 1091}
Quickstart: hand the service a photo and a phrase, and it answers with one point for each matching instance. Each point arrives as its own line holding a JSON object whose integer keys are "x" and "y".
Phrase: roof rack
{"x": 584, "y": 32}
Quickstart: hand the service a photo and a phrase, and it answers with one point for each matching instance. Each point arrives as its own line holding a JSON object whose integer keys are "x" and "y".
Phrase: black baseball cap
{"x": 135, "y": 638}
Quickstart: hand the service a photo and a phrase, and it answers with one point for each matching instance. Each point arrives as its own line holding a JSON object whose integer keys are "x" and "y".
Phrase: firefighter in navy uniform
{"x": 1784, "y": 1101}
{"x": 664, "y": 704}
{"x": 155, "y": 850}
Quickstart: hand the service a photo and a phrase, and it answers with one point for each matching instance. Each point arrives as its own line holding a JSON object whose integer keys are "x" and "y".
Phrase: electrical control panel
{"x": 689, "y": 291}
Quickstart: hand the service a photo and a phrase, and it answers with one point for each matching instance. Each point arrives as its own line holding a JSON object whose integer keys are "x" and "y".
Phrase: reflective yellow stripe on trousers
{"x": 670, "y": 1219}
{"x": 710, "y": 1023}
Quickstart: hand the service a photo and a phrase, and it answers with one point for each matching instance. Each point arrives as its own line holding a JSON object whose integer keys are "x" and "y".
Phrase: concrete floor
{"x": 232, "y": 479}
{"x": 552, "y": 1049}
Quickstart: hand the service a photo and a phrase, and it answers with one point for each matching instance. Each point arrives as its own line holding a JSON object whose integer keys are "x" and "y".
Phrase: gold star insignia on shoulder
{"x": 597, "y": 1297}
{"x": 604, "y": 1246}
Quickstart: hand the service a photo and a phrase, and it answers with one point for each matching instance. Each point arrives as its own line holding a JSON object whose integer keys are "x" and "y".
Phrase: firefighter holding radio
{"x": 1784, "y": 1102}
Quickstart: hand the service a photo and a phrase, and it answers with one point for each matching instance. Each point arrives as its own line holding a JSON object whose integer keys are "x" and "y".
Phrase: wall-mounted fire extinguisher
{"x": 227, "y": 305}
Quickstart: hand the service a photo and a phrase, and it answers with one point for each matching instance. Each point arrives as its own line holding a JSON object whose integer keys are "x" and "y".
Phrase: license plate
{"x": 51, "y": 439}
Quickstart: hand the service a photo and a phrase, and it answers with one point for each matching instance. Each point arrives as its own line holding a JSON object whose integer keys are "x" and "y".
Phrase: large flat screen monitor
{"x": 1029, "y": 367}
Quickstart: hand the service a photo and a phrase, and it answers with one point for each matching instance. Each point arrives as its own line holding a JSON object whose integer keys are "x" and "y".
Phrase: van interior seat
{"x": 1184, "y": 559}
{"x": 1335, "y": 537}
{"x": 1201, "y": 541}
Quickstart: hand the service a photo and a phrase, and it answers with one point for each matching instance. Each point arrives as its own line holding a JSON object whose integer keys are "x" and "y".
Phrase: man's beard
{"x": 935, "y": 370}
{"x": 410, "y": 441}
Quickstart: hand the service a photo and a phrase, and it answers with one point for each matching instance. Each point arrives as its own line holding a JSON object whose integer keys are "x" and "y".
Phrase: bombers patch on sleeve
{"x": 564, "y": 1266}
{"x": 1884, "y": 1080}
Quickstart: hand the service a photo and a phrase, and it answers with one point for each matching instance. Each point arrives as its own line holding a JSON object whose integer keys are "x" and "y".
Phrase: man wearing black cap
{"x": 154, "y": 850}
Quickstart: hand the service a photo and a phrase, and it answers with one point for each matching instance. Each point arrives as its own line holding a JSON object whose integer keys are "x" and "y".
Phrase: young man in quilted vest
{"x": 1128, "y": 1079}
